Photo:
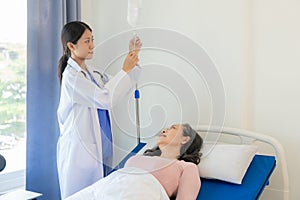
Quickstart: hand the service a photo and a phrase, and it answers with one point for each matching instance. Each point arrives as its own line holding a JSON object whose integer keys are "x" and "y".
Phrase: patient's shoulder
{"x": 135, "y": 159}
{"x": 188, "y": 165}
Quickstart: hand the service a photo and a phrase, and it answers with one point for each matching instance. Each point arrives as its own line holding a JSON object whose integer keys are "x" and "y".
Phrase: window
{"x": 13, "y": 34}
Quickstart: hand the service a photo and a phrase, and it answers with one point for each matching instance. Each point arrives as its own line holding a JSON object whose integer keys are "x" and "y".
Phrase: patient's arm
{"x": 189, "y": 183}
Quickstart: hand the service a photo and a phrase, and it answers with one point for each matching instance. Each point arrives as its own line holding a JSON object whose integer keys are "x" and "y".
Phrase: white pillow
{"x": 227, "y": 162}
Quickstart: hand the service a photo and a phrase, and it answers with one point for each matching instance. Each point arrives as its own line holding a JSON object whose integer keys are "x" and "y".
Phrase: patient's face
{"x": 171, "y": 136}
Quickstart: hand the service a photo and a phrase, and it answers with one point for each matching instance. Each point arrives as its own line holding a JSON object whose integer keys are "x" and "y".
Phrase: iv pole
{"x": 132, "y": 18}
{"x": 137, "y": 113}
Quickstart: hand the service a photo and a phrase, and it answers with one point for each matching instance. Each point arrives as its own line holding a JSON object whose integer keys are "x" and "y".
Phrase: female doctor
{"x": 84, "y": 149}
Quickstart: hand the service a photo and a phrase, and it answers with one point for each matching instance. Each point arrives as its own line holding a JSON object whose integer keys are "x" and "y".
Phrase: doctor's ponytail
{"x": 71, "y": 32}
{"x": 63, "y": 61}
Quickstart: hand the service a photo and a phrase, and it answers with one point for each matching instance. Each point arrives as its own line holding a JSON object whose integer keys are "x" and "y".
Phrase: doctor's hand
{"x": 130, "y": 61}
{"x": 135, "y": 44}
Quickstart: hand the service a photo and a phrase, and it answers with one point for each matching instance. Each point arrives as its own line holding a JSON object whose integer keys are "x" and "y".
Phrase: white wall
{"x": 255, "y": 47}
{"x": 277, "y": 83}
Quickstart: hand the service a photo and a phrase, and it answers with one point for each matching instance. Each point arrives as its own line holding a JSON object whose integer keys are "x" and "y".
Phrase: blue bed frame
{"x": 253, "y": 184}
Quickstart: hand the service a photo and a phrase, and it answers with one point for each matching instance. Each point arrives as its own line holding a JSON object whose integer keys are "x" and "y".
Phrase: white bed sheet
{"x": 126, "y": 184}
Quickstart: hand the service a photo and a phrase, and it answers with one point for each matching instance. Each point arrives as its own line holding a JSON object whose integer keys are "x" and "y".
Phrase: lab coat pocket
{"x": 87, "y": 156}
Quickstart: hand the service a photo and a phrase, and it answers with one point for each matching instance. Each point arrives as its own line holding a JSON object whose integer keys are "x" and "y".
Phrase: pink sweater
{"x": 179, "y": 178}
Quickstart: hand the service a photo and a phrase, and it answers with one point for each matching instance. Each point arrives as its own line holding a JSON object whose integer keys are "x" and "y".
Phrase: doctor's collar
{"x": 74, "y": 65}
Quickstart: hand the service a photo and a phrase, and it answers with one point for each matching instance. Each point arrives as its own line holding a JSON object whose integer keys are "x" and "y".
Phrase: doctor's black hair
{"x": 71, "y": 32}
{"x": 190, "y": 151}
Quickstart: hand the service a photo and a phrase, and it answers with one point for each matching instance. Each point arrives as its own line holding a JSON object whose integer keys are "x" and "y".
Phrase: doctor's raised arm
{"x": 84, "y": 149}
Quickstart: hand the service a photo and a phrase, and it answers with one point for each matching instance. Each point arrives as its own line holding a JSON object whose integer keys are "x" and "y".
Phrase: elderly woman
{"x": 173, "y": 161}
{"x": 169, "y": 170}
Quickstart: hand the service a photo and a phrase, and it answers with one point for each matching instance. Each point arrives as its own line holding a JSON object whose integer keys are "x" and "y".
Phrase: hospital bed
{"x": 267, "y": 159}
{"x": 258, "y": 173}
{"x": 257, "y": 176}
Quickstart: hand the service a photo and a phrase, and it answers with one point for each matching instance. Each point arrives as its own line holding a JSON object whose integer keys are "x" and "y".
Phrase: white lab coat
{"x": 79, "y": 155}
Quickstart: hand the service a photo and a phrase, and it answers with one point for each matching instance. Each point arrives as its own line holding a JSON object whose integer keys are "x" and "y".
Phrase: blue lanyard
{"x": 106, "y": 137}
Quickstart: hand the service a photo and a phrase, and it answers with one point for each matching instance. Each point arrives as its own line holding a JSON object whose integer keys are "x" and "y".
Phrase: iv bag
{"x": 133, "y": 11}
